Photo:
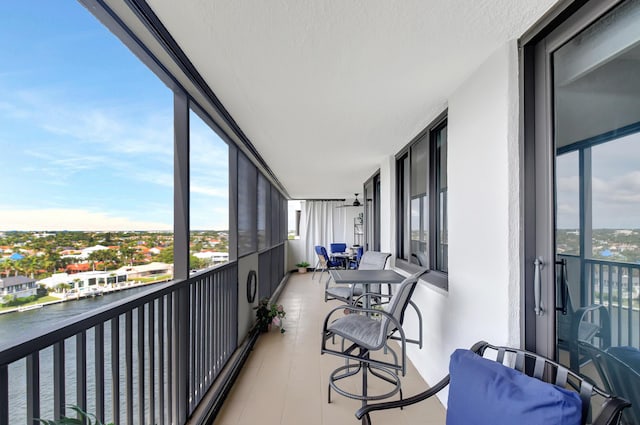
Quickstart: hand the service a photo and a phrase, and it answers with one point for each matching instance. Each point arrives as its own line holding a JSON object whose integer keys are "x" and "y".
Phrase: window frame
{"x": 435, "y": 277}
{"x": 371, "y": 195}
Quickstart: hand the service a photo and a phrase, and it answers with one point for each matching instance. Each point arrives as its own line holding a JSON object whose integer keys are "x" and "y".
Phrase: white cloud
{"x": 72, "y": 219}
{"x": 219, "y": 192}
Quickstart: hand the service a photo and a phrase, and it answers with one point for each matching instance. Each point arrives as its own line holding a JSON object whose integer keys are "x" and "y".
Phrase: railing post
{"x": 180, "y": 320}
{"x": 115, "y": 369}
{"x": 99, "y": 370}
{"x": 140, "y": 372}
{"x": 180, "y": 348}
{"x": 33, "y": 387}
{"x": 81, "y": 369}
{"x": 4, "y": 395}
{"x": 58, "y": 380}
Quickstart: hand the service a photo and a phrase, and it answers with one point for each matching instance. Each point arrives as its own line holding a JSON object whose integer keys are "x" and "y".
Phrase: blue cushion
{"x": 484, "y": 392}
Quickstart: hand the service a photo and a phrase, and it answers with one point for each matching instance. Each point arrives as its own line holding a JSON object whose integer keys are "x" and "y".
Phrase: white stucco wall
{"x": 482, "y": 302}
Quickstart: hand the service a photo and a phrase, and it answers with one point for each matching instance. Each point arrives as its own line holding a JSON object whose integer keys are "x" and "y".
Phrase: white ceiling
{"x": 325, "y": 90}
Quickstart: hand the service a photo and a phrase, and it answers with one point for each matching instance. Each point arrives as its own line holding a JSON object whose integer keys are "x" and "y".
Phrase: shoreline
{"x": 98, "y": 292}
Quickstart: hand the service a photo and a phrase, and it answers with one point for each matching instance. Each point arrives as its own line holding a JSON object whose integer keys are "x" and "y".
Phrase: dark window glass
{"x": 441, "y": 232}
{"x": 275, "y": 216}
{"x": 264, "y": 196}
{"x": 419, "y": 201}
{"x": 422, "y": 201}
{"x": 247, "y": 211}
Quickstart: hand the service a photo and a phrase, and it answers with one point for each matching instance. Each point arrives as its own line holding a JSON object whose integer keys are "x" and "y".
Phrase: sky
{"x": 86, "y": 130}
{"x": 615, "y": 186}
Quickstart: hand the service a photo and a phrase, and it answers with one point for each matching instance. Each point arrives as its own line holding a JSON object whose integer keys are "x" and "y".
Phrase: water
{"x": 15, "y": 325}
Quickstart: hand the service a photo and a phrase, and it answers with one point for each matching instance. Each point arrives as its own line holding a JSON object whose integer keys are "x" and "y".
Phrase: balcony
{"x": 308, "y": 103}
{"x": 285, "y": 378}
{"x": 132, "y": 359}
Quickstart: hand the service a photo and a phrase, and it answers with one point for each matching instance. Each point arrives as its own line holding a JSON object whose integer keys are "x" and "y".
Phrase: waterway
{"x": 34, "y": 321}
{"x": 14, "y": 325}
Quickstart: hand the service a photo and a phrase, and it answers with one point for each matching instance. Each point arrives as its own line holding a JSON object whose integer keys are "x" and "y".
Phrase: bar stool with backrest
{"x": 364, "y": 331}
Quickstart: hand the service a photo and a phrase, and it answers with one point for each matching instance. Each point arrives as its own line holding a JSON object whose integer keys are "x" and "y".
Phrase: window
{"x": 372, "y": 212}
{"x": 86, "y": 135}
{"x": 264, "y": 200}
{"x": 247, "y": 211}
{"x": 422, "y": 203}
{"x": 294, "y": 213}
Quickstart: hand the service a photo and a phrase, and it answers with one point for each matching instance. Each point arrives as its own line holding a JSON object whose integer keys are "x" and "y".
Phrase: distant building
{"x": 17, "y": 286}
{"x": 78, "y": 268}
{"x": 213, "y": 257}
{"x": 85, "y": 279}
{"x": 82, "y": 254}
{"x": 87, "y": 251}
{"x": 146, "y": 270}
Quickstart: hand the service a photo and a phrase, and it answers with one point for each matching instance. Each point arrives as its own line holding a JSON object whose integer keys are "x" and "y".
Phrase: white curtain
{"x": 323, "y": 224}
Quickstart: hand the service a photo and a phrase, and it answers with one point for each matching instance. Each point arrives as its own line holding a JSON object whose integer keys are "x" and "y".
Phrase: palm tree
{"x": 9, "y": 266}
{"x": 29, "y": 265}
{"x": 127, "y": 252}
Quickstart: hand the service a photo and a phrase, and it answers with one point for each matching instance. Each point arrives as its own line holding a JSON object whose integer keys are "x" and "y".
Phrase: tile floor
{"x": 285, "y": 378}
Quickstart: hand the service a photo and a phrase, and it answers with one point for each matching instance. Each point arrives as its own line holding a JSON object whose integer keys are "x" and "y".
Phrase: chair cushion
{"x": 484, "y": 392}
{"x": 358, "y": 328}
{"x": 342, "y": 292}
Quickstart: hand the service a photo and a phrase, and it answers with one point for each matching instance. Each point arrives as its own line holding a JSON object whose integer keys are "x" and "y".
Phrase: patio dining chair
{"x": 354, "y": 263}
{"x": 590, "y": 324}
{"x": 493, "y": 385}
{"x": 324, "y": 263}
{"x": 619, "y": 370}
{"x": 338, "y": 248}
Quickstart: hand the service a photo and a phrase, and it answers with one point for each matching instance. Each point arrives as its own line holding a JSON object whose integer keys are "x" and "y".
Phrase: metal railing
{"x": 270, "y": 270}
{"x": 133, "y": 361}
{"x": 616, "y": 285}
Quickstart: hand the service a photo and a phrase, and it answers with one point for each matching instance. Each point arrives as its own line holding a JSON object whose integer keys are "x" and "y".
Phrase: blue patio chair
{"x": 324, "y": 262}
{"x": 355, "y": 262}
{"x": 339, "y": 248}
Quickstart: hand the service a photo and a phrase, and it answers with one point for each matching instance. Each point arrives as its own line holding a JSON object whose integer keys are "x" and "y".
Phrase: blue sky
{"x": 86, "y": 131}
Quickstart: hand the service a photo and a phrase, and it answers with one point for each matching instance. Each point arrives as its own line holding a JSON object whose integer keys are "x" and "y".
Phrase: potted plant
{"x": 82, "y": 418}
{"x": 302, "y": 266}
{"x": 269, "y": 314}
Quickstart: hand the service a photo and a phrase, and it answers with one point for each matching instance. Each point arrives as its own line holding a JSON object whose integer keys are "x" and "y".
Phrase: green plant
{"x": 303, "y": 264}
{"x": 269, "y": 314}
{"x": 82, "y": 418}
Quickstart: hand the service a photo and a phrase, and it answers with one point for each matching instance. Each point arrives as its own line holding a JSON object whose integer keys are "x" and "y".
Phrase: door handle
{"x": 564, "y": 286}
{"x": 538, "y": 265}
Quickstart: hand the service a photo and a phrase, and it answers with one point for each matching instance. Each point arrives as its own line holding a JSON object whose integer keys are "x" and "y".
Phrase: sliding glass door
{"x": 583, "y": 239}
